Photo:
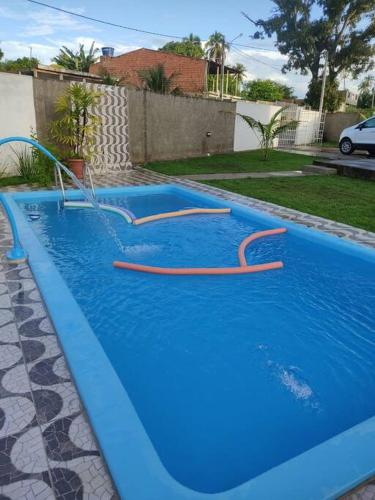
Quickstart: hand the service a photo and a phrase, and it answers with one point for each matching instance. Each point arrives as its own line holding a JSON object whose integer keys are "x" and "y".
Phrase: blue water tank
{"x": 108, "y": 51}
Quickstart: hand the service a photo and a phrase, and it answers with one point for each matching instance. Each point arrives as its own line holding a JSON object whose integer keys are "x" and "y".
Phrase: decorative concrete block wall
{"x": 110, "y": 150}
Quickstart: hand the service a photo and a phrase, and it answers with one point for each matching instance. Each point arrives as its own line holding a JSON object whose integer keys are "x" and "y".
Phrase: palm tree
{"x": 79, "y": 60}
{"x": 156, "y": 80}
{"x": 192, "y": 39}
{"x": 240, "y": 70}
{"x": 214, "y": 46}
{"x": 268, "y": 132}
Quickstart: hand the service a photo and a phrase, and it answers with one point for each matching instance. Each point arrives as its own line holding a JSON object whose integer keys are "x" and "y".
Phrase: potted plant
{"x": 75, "y": 128}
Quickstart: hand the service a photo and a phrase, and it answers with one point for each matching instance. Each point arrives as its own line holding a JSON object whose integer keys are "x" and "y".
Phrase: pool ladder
{"x": 87, "y": 181}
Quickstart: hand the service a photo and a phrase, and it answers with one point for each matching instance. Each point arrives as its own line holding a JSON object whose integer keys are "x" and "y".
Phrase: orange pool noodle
{"x": 253, "y": 237}
{"x": 198, "y": 270}
{"x": 242, "y": 269}
{"x": 180, "y": 213}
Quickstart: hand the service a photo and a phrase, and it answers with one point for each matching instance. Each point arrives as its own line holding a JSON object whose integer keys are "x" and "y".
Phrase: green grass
{"x": 247, "y": 161}
{"x": 15, "y": 180}
{"x": 342, "y": 199}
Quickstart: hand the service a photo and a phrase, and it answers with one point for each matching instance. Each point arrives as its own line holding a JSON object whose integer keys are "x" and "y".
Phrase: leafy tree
{"x": 214, "y": 46}
{"x": 305, "y": 28}
{"x": 366, "y": 92}
{"x": 20, "y": 64}
{"x": 1, "y": 54}
{"x": 268, "y": 132}
{"x": 266, "y": 90}
{"x": 332, "y": 96}
{"x": 189, "y": 46}
{"x": 79, "y": 60}
{"x": 156, "y": 80}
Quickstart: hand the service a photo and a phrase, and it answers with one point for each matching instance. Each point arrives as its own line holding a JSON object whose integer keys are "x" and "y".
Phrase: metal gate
{"x": 309, "y": 130}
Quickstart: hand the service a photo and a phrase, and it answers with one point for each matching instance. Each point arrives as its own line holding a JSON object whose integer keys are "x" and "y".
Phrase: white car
{"x": 360, "y": 136}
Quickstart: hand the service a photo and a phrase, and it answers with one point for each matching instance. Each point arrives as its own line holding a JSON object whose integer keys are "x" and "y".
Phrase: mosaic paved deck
{"x": 47, "y": 449}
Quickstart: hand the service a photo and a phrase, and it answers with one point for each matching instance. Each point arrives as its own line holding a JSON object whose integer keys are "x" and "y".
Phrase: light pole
{"x": 325, "y": 52}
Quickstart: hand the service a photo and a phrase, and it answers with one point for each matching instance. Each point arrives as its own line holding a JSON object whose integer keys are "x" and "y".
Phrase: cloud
{"x": 44, "y": 22}
{"x": 15, "y": 48}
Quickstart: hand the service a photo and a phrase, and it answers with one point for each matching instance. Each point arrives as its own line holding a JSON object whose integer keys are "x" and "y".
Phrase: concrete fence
{"x": 336, "y": 122}
{"x": 158, "y": 127}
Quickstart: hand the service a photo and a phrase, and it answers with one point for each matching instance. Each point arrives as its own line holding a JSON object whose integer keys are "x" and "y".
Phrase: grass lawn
{"x": 15, "y": 180}
{"x": 247, "y": 161}
{"x": 342, "y": 199}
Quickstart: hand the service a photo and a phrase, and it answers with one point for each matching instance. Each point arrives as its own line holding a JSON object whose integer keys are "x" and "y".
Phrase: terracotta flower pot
{"x": 77, "y": 166}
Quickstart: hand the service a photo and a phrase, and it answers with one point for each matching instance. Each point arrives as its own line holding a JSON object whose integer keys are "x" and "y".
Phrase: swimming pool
{"x": 222, "y": 386}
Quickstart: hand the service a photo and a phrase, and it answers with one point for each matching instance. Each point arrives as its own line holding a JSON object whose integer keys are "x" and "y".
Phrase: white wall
{"x": 17, "y": 114}
{"x": 244, "y": 137}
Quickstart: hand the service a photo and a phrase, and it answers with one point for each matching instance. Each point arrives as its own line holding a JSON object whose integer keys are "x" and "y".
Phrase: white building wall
{"x": 17, "y": 114}
{"x": 244, "y": 137}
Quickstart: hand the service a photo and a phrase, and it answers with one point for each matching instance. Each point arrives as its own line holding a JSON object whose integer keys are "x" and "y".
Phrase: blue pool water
{"x": 230, "y": 375}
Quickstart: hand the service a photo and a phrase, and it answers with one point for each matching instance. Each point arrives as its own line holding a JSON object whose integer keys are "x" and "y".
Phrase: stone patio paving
{"x": 47, "y": 449}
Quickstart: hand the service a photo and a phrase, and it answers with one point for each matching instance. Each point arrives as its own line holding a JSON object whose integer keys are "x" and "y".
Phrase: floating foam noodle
{"x": 242, "y": 269}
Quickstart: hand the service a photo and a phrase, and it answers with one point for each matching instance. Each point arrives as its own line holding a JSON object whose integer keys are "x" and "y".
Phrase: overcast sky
{"x": 24, "y": 25}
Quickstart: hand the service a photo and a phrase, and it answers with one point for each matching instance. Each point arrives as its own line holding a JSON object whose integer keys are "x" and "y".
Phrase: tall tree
{"x": 305, "y": 28}
{"x": 215, "y": 45}
{"x": 156, "y": 80}
{"x": 1, "y": 54}
{"x": 366, "y": 92}
{"x": 189, "y": 46}
{"x": 79, "y": 60}
{"x": 241, "y": 71}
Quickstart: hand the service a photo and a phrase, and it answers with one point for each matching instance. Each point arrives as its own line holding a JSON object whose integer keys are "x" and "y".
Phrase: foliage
{"x": 25, "y": 164}
{"x": 76, "y": 127}
{"x": 109, "y": 79}
{"x": 266, "y": 90}
{"x": 363, "y": 112}
{"x": 20, "y": 64}
{"x": 189, "y": 46}
{"x": 366, "y": 92}
{"x": 345, "y": 29}
{"x": 156, "y": 80}
{"x": 332, "y": 96}
{"x": 79, "y": 60}
{"x": 215, "y": 45}
{"x": 33, "y": 165}
{"x": 1, "y": 54}
{"x": 268, "y": 132}
{"x": 305, "y": 28}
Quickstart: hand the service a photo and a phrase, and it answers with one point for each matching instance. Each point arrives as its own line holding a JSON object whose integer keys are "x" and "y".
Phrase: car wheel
{"x": 346, "y": 146}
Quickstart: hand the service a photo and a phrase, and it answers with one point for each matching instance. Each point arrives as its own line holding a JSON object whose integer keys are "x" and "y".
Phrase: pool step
{"x": 319, "y": 169}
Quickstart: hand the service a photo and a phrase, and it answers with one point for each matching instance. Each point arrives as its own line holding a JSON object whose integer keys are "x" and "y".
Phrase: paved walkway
{"x": 244, "y": 175}
{"x": 47, "y": 449}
